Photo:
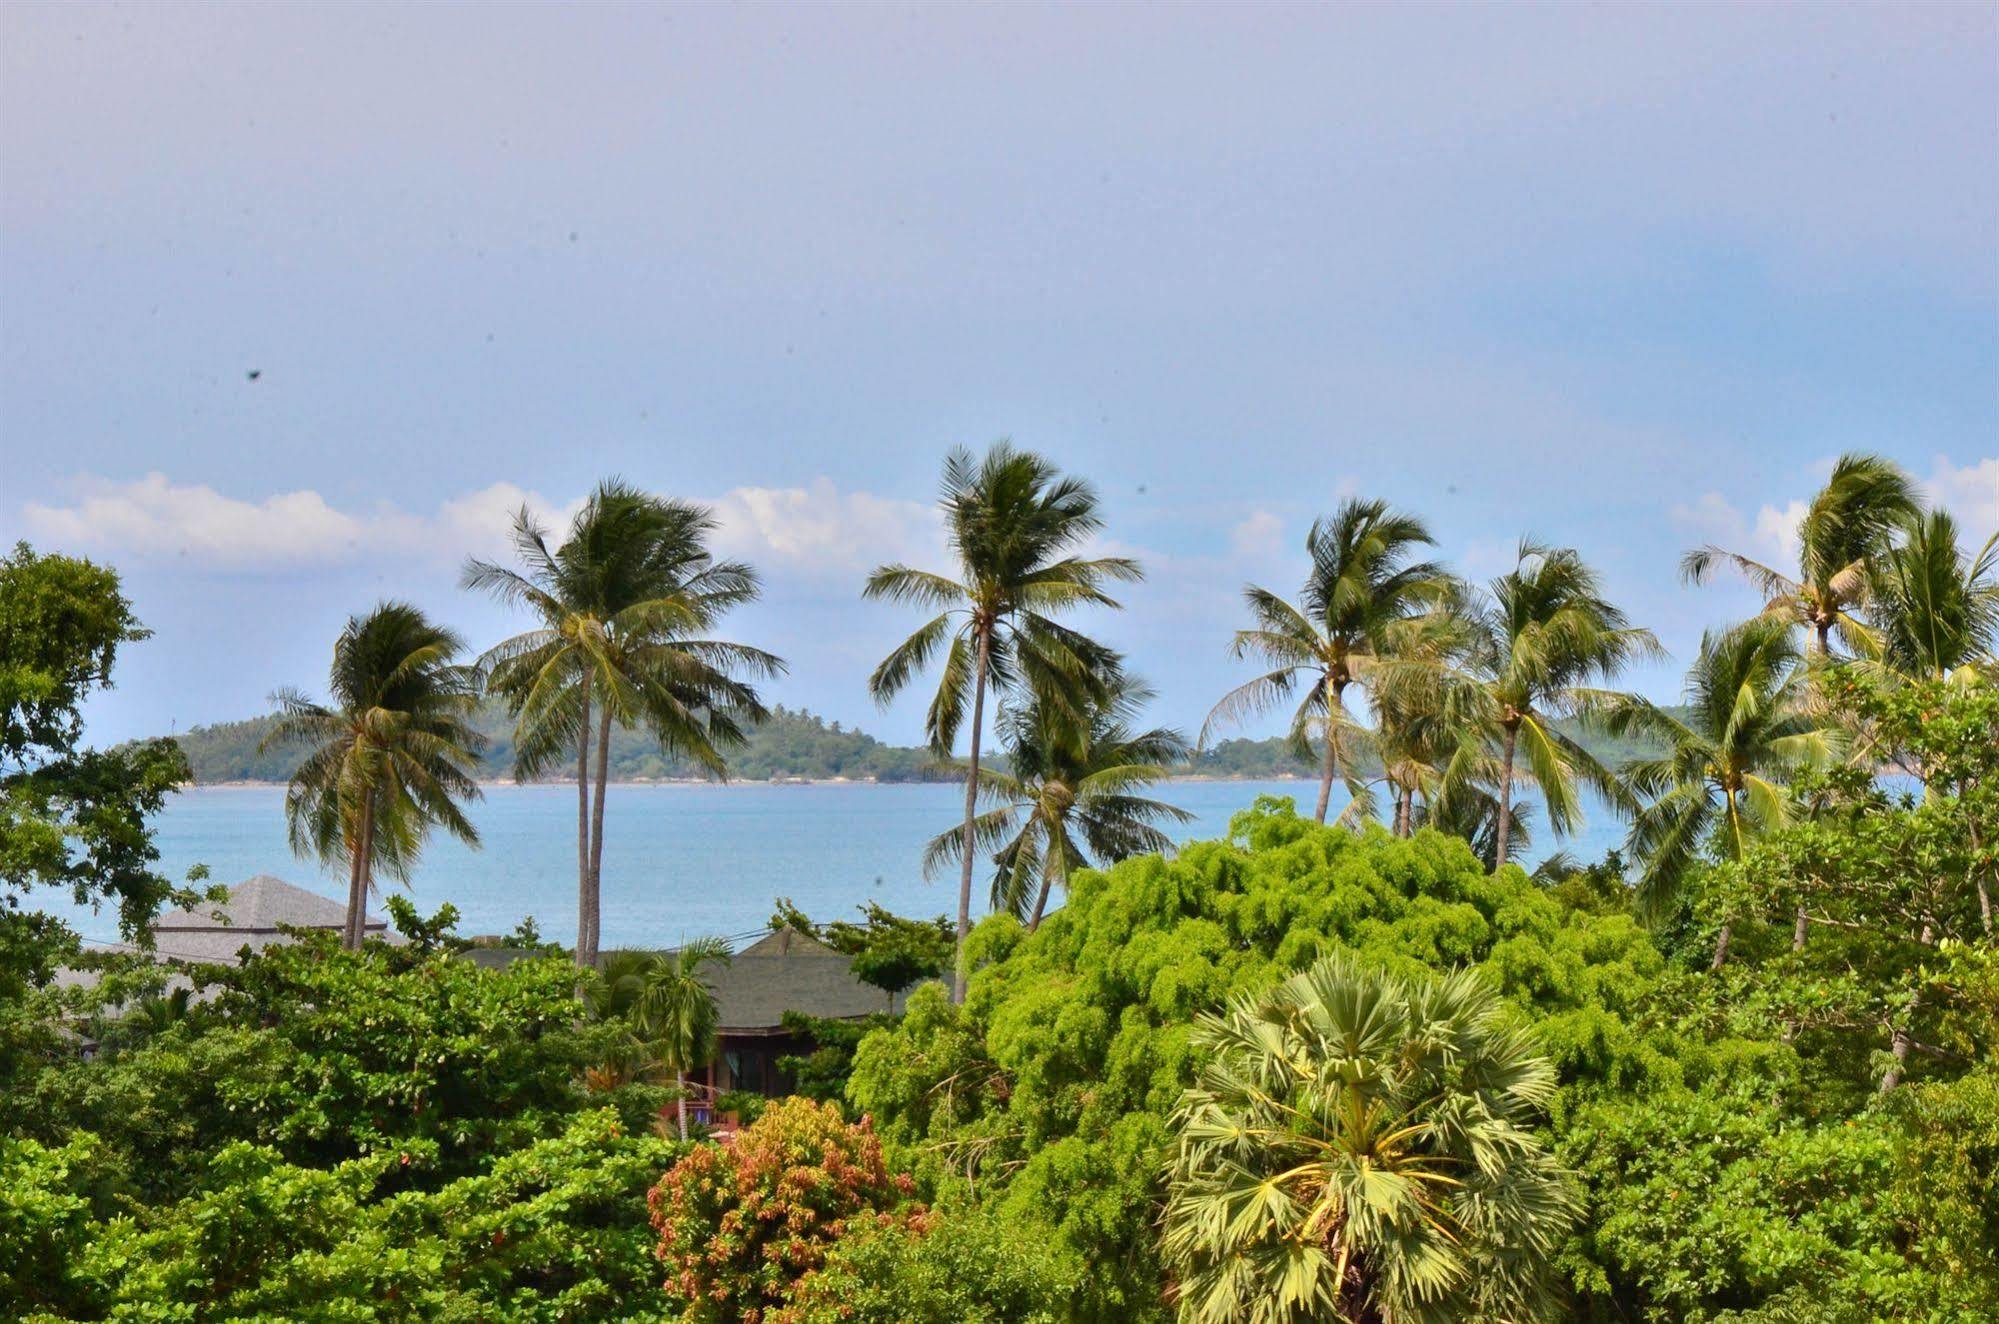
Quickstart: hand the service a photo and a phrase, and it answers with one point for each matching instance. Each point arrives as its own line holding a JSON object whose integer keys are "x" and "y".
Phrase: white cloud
{"x": 1770, "y": 537}
{"x": 816, "y": 528}
{"x": 1258, "y": 537}
{"x": 155, "y": 517}
{"x": 1970, "y": 492}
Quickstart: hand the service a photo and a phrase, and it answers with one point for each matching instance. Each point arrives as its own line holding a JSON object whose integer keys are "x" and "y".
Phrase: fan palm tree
{"x": 1070, "y": 797}
{"x": 1749, "y": 728}
{"x": 1847, "y": 525}
{"x": 624, "y": 603}
{"x": 1362, "y": 1147}
{"x": 675, "y": 1013}
{"x": 1541, "y": 633}
{"x": 1937, "y": 610}
{"x": 1363, "y": 581}
{"x": 392, "y": 756}
{"x": 1014, "y": 525}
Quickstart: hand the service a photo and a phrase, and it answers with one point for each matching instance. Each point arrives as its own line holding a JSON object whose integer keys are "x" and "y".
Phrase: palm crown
{"x": 1749, "y": 729}
{"x": 1014, "y": 524}
{"x": 1361, "y": 1147}
{"x": 1069, "y": 798}
{"x": 1937, "y": 609}
{"x": 1848, "y": 523}
{"x": 390, "y": 756}
{"x": 1540, "y": 634}
{"x": 623, "y": 603}
{"x": 1362, "y": 583}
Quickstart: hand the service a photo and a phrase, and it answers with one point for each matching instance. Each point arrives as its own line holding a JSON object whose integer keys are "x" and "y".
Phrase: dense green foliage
{"x": 968, "y": 1268}
{"x": 396, "y": 1128}
{"x": 72, "y": 820}
{"x": 1694, "y": 1121}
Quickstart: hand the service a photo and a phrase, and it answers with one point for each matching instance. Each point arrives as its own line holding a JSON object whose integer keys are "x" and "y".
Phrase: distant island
{"x": 794, "y": 745}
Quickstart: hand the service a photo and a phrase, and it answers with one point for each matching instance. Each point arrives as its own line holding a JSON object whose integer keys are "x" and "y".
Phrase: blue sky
{"x": 1623, "y": 278}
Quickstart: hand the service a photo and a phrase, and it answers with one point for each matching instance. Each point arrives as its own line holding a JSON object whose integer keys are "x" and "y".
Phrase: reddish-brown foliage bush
{"x": 742, "y": 1222}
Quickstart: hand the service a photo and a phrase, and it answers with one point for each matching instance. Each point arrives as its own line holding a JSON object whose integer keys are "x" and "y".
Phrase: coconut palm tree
{"x": 675, "y": 1011}
{"x": 1069, "y": 798}
{"x": 1014, "y": 525}
{"x": 1541, "y": 633}
{"x": 1428, "y": 707}
{"x": 624, "y": 604}
{"x": 1848, "y": 524}
{"x": 392, "y": 756}
{"x": 1750, "y": 727}
{"x": 1363, "y": 581}
{"x": 1361, "y": 1147}
{"x": 1936, "y": 609}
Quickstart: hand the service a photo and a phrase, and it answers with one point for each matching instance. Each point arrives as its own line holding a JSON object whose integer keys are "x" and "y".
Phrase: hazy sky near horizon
{"x": 1624, "y": 278}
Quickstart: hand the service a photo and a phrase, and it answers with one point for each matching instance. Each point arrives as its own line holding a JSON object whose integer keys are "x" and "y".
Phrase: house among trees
{"x": 255, "y": 916}
{"x": 785, "y": 971}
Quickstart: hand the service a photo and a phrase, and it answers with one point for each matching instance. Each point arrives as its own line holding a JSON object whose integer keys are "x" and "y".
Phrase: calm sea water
{"x": 679, "y": 861}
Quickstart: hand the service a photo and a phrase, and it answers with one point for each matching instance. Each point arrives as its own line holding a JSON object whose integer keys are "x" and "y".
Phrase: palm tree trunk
{"x": 958, "y": 971}
{"x": 1329, "y": 767}
{"x": 1800, "y": 926}
{"x": 1728, "y": 926}
{"x": 681, "y": 1103}
{"x": 1047, "y": 880}
{"x": 584, "y": 957}
{"x": 355, "y": 902}
{"x": 1503, "y": 829}
{"x": 364, "y": 860}
{"x": 597, "y": 832}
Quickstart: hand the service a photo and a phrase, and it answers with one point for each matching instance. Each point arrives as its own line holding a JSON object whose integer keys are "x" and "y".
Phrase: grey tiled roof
{"x": 789, "y": 972}
{"x": 780, "y": 972}
{"x": 217, "y": 932}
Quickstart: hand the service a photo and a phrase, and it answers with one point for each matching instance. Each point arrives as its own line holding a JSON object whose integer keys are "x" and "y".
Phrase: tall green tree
{"x": 1361, "y": 1147}
{"x": 1937, "y": 609}
{"x": 1848, "y": 524}
{"x": 1014, "y": 524}
{"x": 675, "y": 1012}
{"x": 1070, "y": 798}
{"x": 625, "y": 603}
{"x": 392, "y": 755}
{"x": 73, "y": 820}
{"x": 1363, "y": 581}
{"x": 1723, "y": 782}
{"x": 1542, "y": 632}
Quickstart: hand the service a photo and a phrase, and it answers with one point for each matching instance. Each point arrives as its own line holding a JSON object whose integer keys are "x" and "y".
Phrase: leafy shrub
{"x": 741, "y": 1223}
{"x": 1047, "y": 1095}
{"x": 965, "y": 1267}
{"x": 546, "y": 1234}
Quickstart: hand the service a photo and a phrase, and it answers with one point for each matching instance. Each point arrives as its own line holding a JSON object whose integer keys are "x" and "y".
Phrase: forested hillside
{"x": 792, "y": 744}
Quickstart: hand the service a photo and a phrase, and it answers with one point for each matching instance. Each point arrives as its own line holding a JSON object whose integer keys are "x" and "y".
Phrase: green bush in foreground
{"x": 548, "y": 1233}
{"x": 1361, "y": 1146}
{"x": 1049, "y": 1095}
{"x": 1692, "y": 1120}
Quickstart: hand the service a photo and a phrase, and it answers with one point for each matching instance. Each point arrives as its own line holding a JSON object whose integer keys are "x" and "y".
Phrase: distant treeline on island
{"x": 792, "y": 745}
